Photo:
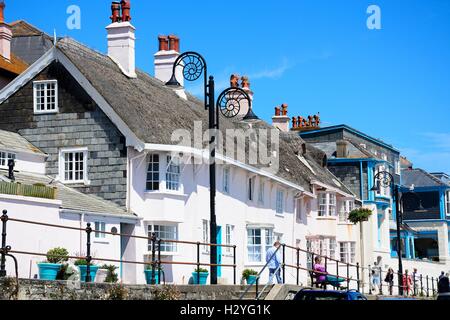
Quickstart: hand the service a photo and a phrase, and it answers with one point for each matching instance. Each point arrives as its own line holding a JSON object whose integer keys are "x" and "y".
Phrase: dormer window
{"x": 45, "y": 95}
{"x": 4, "y": 157}
{"x": 73, "y": 165}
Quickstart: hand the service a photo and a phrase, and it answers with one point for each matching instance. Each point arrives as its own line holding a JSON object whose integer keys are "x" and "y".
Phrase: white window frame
{"x": 173, "y": 173}
{"x": 46, "y": 110}
{"x": 226, "y": 178}
{"x": 261, "y": 191}
{"x": 398, "y": 169}
{"x": 166, "y": 248}
{"x": 150, "y": 161}
{"x": 347, "y": 252}
{"x": 266, "y": 242}
{"x": 62, "y": 163}
{"x": 205, "y": 236}
{"x": 99, "y": 226}
{"x": 327, "y": 204}
{"x": 229, "y": 238}
{"x": 279, "y": 202}
{"x": 347, "y": 206}
{"x": 4, "y": 157}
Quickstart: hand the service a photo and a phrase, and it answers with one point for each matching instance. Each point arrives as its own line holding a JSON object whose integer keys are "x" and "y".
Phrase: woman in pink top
{"x": 321, "y": 276}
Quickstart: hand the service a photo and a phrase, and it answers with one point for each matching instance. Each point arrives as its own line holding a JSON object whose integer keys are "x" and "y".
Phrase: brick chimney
{"x": 245, "y": 85}
{"x": 281, "y": 119}
{"x": 5, "y": 35}
{"x": 341, "y": 149}
{"x": 169, "y": 51}
{"x": 121, "y": 38}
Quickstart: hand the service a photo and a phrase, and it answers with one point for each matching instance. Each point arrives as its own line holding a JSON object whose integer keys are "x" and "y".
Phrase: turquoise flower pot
{"x": 83, "y": 273}
{"x": 203, "y": 278}
{"x": 251, "y": 280}
{"x": 148, "y": 276}
{"x": 48, "y": 271}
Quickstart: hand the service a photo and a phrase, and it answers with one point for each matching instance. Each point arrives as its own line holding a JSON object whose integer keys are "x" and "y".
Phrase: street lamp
{"x": 386, "y": 179}
{"x": 193, "y": 65}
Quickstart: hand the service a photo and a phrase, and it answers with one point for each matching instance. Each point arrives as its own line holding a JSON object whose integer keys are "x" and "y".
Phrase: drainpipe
{"x": 361, "y": 234}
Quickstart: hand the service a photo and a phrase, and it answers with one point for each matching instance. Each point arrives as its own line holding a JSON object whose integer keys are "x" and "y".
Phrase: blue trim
{"x": 346, "y": 160}
{"x": 361, "y": 179}
{"x": 357, "y": 132}
{"x": 370, "y": 177}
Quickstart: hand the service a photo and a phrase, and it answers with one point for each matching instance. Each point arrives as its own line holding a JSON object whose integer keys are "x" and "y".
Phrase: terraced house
{"x": 105, "y": 129}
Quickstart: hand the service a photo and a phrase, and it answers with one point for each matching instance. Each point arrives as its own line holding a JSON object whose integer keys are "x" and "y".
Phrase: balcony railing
{"x": 35, "y": 191}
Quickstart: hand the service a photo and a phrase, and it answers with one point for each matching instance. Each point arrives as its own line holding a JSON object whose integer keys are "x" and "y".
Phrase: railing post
{"x": 234, "y": 265}
{"x": 298, "y": 266}
{"x": 381, "y": 280}
{"x": 421, "y": 285}
{"x": 414, "y": 284}
{"x": 370, "y": 280}
{"x": 3, "y": 257}
{"x": 432, "y": 285}
{"x": 348, "y": 276}
{"x": 284, "y": 264}
{"x": 357, "y": 276}
{"x": 159, "y": 261}
{"x": 312, "y": 268}
{"x": 153, "y": 239}
{"x": 337, "y": 272}
{"x": 428, "y": 287}
{"x": 257, "y": 288}
{"x": 88, "y": 253}
{"x": 198, "y": 263}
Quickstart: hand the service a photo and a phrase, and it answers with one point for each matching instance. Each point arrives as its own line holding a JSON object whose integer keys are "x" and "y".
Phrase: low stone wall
{"x": 67, "y": 290}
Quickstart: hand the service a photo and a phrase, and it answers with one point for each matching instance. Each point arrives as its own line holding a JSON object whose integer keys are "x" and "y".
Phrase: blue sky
{"x": 316, "y": 56}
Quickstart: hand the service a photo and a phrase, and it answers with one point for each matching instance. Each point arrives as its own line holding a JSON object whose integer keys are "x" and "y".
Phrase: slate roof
{"x": 28, "y": 42}
{"x": 152, "y": 111}
{"x": 71, "y": 198}
{"x": 421, "y": 178}
{"x": 354, "y": 150}
{"x": 15, "y": 66}
{"x": 11, "y": 141}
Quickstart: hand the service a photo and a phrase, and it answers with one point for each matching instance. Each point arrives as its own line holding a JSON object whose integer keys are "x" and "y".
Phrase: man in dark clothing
{"x": 444, "y": 284}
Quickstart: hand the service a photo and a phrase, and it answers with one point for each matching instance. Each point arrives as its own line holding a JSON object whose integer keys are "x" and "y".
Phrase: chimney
{"x": 281, "y": 119}
{"x": 121, "y": 38}
{"x": 5, "y": 35}
{"x": 341, "y": 149}
{"x": 169, "y": 51}
{"x": 245, "y": 85}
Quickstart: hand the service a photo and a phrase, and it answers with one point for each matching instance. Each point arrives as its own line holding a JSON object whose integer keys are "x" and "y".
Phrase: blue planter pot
{"x": 203, "y": 278}
{"x": 83, "y": 273}
{"x": 148, "y": 277}
{"x": 251, "y": 280}
{"x": 48, "y": 271}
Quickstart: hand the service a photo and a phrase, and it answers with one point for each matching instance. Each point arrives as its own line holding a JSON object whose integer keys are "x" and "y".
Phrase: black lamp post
{"x": 229, "y": 103}
{"x": 385, "y": 179}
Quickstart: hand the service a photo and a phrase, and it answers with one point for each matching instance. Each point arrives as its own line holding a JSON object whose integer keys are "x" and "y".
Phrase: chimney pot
{"x": 277, "y": 111}
{"x": 234, "y": 81}
{"x": 115, "y": 9}
{"x": 126, "y": 10}
{"x": 174, "y": 43}
{"x": 284, "y": 108}
{"x": 294, "y": 122}
{"x": 163, "y": 43}
{"x": 2, "y": 9}
{"x": 245, "y": 83}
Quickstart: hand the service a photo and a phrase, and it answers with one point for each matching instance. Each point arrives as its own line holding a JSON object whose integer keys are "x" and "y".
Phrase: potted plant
{"x": 110, "y": 275}
{"x": 148, "y": 274}
{"x": 359, "y": 215}
{"x": 250, "y": 276}
{"x": 200, "y": 276}
{"x": 82, "y": 266}
{"x": 48, "y": 270}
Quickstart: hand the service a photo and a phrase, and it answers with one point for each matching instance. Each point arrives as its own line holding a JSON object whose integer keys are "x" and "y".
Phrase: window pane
{"x": 153, "y": 173}
{"x": 173, "y": 174}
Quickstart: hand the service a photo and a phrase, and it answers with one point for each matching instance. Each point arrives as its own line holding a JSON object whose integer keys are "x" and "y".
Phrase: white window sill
{"x": 162, "y": 194}
{"x": 327, "y": 218}
{"x": 164, "y": 253}
{"x": 86, "y": 183}
{"x": 279, "y": 215}
{"x": 254, "y": 265}
{"x": 101, "y": 242}
{"x": 343, "y": 223}
{"x": 41, "y": 113}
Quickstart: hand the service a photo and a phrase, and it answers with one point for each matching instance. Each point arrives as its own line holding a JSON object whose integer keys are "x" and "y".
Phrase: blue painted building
{"x": 355, "y": 158}
{"x": 428, "y": 214}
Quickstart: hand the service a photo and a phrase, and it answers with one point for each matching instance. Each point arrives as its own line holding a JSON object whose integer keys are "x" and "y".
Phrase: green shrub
{"x": 111, "y": 276}
{"x": 150, "y": 267}
{"x": 80, "y": 262}
{"x": 57, "y": 255}
{"x": 359, "y": 215}
{"x": 201, "y": 270}
{"x": 248, "y": 272}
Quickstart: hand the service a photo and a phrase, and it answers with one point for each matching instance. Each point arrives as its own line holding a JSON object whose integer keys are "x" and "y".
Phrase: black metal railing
{"x": 156, "y": 252}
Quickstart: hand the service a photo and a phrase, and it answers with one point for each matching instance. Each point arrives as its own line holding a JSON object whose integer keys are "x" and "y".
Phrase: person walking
{"x": 415, "y": 281}
{"x": 273, "y": 259}
{"x": 390, "y": 280}
{"x": 442, "y": 275}
{"x": 376, "y": 278}
{"x": 407, "y": 282}
{"x": 444, "y": 284}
